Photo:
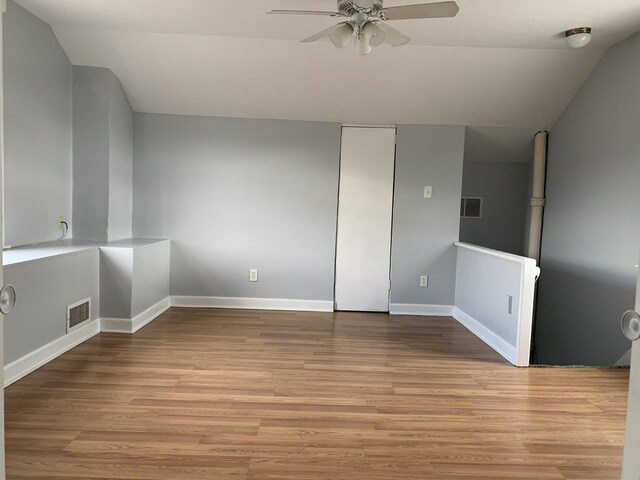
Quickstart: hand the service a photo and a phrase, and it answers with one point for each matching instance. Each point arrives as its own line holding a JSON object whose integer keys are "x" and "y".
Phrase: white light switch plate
{"x": 428, "y": 192}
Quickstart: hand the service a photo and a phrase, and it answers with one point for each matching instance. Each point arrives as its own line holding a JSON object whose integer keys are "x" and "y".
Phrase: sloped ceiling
{"x": 499, "y": 144}
{"x": 499, "y": 62}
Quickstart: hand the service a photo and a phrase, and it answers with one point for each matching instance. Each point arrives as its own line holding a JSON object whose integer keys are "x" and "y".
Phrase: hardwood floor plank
{"x": 256, "y": 395}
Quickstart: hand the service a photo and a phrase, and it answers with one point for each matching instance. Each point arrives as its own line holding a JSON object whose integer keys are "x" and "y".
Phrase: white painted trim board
{"x": 496, "y": 342}
{"x": 422, "y": 310}
{"x": 34, "y": 360}
{"x": 243, "y": 303}
{"x": 45, "y": 354}
{"x": 132, "y": 325}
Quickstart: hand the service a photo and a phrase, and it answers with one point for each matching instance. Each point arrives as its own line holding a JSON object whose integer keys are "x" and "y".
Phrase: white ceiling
{"x": 499, "y": 62}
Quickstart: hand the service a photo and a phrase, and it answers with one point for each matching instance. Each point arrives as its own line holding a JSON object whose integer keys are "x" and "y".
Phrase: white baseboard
{"x": 34, "y": 360}
{"x": 27, "y": 364}
{"x": 132, "y": 325}
{"x": 115, "y": 325}
{"x": 423, "y": 310}
{"x": 252, "y": 303}
{"x": 151, "y": 313}
{"x": 496, "y": 342}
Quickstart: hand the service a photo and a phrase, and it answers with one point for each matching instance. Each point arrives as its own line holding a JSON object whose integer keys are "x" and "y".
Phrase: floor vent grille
{"x": 78, "y": 314}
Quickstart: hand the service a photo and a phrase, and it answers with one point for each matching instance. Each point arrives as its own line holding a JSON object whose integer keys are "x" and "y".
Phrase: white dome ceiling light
{"x": 366, "y": 27}
{"x": 578, "y": 37}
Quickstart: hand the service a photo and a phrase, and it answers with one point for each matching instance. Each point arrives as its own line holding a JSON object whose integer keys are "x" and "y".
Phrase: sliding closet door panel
{"x": 364, "y": 219}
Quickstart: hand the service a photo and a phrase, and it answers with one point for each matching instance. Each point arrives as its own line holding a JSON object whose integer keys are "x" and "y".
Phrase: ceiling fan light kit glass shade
{"x": 342, "y": 36}
{"x": 364, "y": 41}
{"x": 578, "y": 37}
{"x": 370, "y": 36}
{"x": 363, "y": 47}
{"x": 373, "y": 34}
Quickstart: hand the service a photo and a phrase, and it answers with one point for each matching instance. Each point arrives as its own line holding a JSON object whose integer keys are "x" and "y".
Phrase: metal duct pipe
{"x": 537, "y": 197}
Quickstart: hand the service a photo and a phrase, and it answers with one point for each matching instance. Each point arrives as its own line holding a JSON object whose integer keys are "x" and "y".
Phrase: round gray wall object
{"x": 631, "y": 325}
{"x": 7, "y": 299}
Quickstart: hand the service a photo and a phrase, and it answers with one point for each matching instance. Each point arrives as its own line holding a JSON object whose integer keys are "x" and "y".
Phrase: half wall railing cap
{"x": 494, "y": 253}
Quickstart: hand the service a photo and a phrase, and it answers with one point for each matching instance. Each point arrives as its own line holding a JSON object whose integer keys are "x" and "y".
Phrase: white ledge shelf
{"x": 20, "y": 255}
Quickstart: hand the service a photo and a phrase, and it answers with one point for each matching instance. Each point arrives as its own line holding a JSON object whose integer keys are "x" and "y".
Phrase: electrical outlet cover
{"x": 253, "y": 275}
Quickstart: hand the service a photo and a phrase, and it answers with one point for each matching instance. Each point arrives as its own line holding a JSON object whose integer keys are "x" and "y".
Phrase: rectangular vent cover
{"x": 471, "y": 207}
{"x": 78, "y": 314}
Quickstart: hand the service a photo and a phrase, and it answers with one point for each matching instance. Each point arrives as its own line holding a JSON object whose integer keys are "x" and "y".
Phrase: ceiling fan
{"x": 366, "y": 26}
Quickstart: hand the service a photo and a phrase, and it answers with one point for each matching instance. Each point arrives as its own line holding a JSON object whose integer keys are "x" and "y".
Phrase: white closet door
{"x": 364, "y": 219}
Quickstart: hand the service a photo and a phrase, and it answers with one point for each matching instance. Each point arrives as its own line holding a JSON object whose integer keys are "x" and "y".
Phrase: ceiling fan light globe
{"x": 362, "y": 46}
{"x": 374, "y": 34}
{"x": 392, "y": 36}
{"x": 336, "y": 41}
{"x": 342, "y": 36}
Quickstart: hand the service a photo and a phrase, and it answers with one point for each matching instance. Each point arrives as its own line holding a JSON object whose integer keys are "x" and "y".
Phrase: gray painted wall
{"x": 424, "y": 229}
{"x": 592, "y": 220}
{"x": 150, "y": 276}
{"x": 37, "y": 129}
{"x": 103, "y": 150}
{"x": 120, "y": 162}
{"x": 504, "y": 188}
{"x": 45, "y": 288}
{"x": 235, "y": 194}
{"x": 90, "y": 153}
{"x": 116, "y": 277}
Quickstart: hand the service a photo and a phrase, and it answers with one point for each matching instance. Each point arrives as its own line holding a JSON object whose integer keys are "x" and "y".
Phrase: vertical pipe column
{"x": 537, "y": 198}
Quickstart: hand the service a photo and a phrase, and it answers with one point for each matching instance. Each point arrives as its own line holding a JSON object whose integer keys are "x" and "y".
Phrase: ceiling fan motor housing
{"x": 350, "y": 7}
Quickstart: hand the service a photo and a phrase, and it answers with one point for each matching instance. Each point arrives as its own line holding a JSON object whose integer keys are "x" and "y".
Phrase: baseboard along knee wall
{"x": 132, "y": 325}
{"x": 14, "y": 371}
{"x": 34, "y": 360}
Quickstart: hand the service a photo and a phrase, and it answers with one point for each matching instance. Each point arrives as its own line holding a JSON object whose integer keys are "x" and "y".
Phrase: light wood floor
{"x": 220, "y": 394}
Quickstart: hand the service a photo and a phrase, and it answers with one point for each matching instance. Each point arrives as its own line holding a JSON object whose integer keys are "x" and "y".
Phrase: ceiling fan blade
{"x": 392, "y": 36}
{"x": 303, "y": 12}
{"x": 323, "y": 33}
{"x": 424, "y": 10}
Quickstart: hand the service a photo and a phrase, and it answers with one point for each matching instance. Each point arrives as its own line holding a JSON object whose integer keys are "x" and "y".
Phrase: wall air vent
{"x": 471, "y": 207}
{"x": 78, "y": 314}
